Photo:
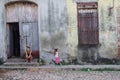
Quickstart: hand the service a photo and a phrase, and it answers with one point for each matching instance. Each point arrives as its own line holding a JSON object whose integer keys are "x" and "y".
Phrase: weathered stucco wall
{"x": 117, "y": 16}
{"x": 2, "y": 33}
{"x": 53, "y": 28}
{"x": 53, "y": 23}
{"x": 84, "y": 53}
{"x": 57, "y": 24}
{"x": 107, "y": 47}
{"x": 72, "y": 28}
{"x": 107, "y": 29}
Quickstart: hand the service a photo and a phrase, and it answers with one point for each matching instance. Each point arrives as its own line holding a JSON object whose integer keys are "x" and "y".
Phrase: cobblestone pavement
{"x": 51, "y": 74}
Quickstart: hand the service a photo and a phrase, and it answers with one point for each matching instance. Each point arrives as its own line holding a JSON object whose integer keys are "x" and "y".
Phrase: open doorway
{"x": 14, "y": 40}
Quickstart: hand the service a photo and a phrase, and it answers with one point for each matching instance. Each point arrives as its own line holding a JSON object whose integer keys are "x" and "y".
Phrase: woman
{"x": 28, "y": 54}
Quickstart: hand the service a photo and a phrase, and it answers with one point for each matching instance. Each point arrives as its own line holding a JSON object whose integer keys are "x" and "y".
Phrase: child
{"x": 56, "y": 56}
{"x": 28, "y": 54}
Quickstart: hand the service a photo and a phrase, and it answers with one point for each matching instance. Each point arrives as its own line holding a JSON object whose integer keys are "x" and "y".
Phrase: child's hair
{"x": 56, "y": 49}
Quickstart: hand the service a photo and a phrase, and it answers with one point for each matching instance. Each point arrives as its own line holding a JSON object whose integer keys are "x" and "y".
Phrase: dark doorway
{"x": 14, "y": 40}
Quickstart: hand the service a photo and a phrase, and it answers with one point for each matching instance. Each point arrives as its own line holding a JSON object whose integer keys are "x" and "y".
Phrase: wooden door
{"x": 29, "y": 37}
{"x": 88, "y": 23}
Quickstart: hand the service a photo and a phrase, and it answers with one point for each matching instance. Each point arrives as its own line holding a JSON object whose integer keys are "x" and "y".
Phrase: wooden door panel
{"x": 87, "y": 23}
{"x": 29, "y": 37}
{"x": 21, "y": 11}
{"x": 23, "y": 43}
{"x": 35, "y": 39}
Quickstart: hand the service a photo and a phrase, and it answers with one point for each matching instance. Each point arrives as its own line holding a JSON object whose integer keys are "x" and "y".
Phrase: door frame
{"x": 35, "y": 53}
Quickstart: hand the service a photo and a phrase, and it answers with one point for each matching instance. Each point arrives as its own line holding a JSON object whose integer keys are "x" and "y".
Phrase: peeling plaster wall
{"x": 107, "y": 47}
{"x": 72, "y": 28}
{"x": 53, "y": 28}
{"x": 2, "y": 33}
{"x": 53, "y": 22}
{"x": 83, "y": 53}
{"x": 117, "y": 16}
{"x": 57, "y": 24}
{"x": 107, "y": 30}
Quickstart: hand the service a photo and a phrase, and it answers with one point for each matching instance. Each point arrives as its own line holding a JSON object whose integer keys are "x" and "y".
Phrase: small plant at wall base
{"x": 118, "y": 62}
{"x": 107, "y": 61}
{"x": 42, "y": 61}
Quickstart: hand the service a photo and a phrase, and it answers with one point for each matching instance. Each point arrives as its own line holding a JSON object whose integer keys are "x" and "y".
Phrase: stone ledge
{"x": 84, "y": 1}
{"x": 71, "y": 67}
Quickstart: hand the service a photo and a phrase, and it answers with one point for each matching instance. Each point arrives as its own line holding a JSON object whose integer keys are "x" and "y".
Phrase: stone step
{"x": 19, "y": 60}
{"x": 21, "y": 64}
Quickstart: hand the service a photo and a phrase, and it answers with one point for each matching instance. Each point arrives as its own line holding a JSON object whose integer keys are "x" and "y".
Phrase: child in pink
{"x": 56, "y": 56}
